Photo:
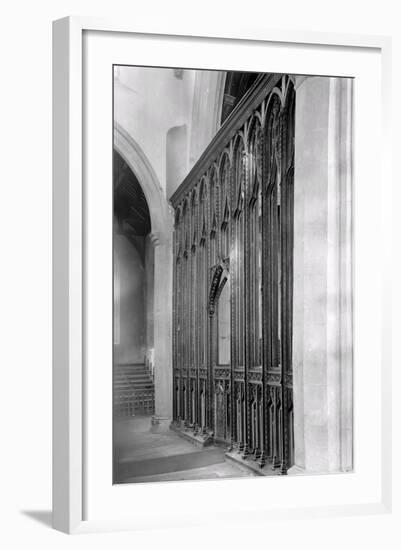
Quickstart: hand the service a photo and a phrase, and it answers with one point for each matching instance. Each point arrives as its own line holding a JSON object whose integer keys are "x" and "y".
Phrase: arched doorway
{"x": 161, "y": 218}
{"x": 133, "y": 263}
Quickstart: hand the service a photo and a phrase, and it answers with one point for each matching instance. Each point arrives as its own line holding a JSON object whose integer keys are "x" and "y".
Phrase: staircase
{"x": 133, "y": 390}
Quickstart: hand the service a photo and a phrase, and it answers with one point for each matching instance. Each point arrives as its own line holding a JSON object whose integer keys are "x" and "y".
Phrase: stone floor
{"x": 144, "y": 456}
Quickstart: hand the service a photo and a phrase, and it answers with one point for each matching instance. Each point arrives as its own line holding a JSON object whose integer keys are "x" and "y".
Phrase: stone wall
{"x": 322, "y": 323}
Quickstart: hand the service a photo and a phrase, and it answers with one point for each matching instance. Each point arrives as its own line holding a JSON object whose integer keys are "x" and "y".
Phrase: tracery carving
{"x": 232, "y": 223}
{"x": 221, "y": 373}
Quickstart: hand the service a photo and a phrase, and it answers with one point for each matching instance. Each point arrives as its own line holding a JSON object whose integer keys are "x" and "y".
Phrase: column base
{"x": 260, "y": 469}
{"x": 296, "y": 471}
{"x": 196, "y": 438}
{"x": 160, "y": 424}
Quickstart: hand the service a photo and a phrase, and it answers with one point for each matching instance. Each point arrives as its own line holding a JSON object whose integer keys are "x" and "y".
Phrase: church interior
{"x": 232, "y": 258}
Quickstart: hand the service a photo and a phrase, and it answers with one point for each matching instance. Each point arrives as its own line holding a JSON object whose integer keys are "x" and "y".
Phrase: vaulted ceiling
{"x": 236, "y": 86}
{"x": 130, "y": 206}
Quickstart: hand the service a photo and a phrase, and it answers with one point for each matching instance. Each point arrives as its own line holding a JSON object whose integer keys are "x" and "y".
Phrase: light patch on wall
{"x": 176, "y": 157}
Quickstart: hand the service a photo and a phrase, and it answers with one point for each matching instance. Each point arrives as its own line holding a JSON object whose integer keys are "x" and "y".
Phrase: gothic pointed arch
{"x": 160, "y": 212}
{"x": 162, "y": 223}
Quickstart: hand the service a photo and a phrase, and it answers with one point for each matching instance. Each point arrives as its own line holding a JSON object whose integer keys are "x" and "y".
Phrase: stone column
{"x": 322, "y": 323}
{"x": 163, "y": 285}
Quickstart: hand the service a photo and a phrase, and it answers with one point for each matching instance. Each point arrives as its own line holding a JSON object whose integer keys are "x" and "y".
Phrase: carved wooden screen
{"x": 234, "y": 231}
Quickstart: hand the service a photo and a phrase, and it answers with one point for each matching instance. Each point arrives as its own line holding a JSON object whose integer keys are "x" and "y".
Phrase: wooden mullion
{"x": 246, "y": 298}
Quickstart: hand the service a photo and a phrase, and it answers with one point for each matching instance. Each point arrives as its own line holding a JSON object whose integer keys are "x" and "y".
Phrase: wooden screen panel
{"x": 236, "y": 219}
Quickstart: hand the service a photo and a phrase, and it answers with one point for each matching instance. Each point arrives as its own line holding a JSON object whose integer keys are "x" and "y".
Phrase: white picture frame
{"x": 70, "y": 257}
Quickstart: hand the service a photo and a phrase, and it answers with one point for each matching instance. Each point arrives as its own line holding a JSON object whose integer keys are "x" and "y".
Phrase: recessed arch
{"x": 130, "y": 207}
{"x": 160, "y": 213}
{"x": 162, "y": 223}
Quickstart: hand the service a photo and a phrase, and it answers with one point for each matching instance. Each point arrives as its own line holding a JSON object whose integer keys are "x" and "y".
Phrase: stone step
{"x": 127, "y": 368}
{"x": 174, "y": 463}
{"x": 132, "y": 376}
{"x": 133, "y": 389}
{"x": 133, "y": 366}
{"x": 135, "y": 405}
{"x": 133, "y": 373}
{"x": 132, "y": 380}
{"x": 131, "y": 383}
{"x": 144, "y": 384}
{"x": 137, "y": 387}
{"x": 134, "y": 396}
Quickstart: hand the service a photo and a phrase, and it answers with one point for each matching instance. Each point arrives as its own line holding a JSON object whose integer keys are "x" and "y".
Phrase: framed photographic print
{"x": 220, "y": 253}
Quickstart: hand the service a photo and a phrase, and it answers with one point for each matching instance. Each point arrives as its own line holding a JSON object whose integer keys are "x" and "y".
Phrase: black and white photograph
{"x": 232, "y": 247}
{"x": 200, "y": 342}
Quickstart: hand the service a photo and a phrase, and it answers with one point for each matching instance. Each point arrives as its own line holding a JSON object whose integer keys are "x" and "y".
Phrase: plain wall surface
{"x": 129, "y": 302}
{"x": 25, "y": 404}
{"x": 176, "y": 153}
{"x": 322, "y": 296}
{"x": 169, "y": 137}
{"x": 138, "y": 92}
